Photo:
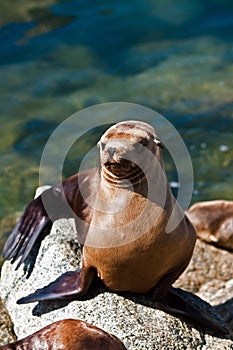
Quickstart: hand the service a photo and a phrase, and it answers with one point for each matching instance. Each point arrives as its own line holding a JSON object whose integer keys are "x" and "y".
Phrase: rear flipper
{"x": 179, "y": 303}
{"x": 71, "y": 285}
{"x": 32, "y": 224}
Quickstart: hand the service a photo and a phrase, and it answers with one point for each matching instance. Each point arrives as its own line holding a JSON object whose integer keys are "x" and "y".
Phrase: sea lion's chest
{"x": 122, "y": 218}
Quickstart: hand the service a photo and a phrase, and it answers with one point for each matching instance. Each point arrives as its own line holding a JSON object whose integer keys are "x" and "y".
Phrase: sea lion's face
{"x": 124, "y": 147}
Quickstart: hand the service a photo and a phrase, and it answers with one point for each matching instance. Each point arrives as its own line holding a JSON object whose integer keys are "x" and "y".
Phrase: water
{"x": 57, "y": 57}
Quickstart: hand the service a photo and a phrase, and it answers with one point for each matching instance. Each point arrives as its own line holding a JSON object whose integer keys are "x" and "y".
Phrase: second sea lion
{"x": 213, "y": 221}
{"x": 68, "y": 334}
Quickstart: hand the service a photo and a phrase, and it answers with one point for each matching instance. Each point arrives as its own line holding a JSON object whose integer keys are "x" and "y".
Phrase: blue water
{"x": 61, "y": 56}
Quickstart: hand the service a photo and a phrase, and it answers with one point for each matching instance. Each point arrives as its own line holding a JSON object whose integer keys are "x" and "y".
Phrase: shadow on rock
{"x": 190, "y": 308}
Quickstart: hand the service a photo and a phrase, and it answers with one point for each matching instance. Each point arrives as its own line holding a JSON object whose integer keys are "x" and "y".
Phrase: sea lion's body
{"x": 135, "y": 236}
{"x": 213, "y": 221}
{"x": 138, "y": 266}
{"x": 69, "y": 335}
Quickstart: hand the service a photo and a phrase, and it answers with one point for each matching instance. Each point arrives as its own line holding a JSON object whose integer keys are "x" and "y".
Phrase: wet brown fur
{"x": 213, "y": 221}
{"x": 69, "y": 335}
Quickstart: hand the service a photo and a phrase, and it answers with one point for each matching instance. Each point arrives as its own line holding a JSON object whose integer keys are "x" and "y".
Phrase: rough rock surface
{"x": 6, "y": 226}
{"x": 133, "y": 320}
{"x": 209, "y": 275}
{"x": 6, "y": 327}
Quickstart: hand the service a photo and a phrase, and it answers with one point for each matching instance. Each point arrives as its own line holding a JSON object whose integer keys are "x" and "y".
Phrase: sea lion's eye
{"x": 102, "y": 145}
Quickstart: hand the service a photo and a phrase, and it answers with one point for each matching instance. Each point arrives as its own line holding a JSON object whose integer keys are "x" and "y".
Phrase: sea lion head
{"x": 125, "y": 149}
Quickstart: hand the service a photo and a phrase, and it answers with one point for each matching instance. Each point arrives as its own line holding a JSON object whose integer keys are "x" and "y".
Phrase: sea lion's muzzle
{"x": 115, "y": 153}
{"x": 111, "y": 151}
{"x": 120, "y": 168}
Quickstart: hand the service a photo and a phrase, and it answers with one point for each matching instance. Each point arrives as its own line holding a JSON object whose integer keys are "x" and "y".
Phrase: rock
{"x": 132, "y": 319}
{"x": 209, "y": 275}
{"x": 213, "y": 221}
{"x": 6, "y": 226}
{"x": 6, "y": 327}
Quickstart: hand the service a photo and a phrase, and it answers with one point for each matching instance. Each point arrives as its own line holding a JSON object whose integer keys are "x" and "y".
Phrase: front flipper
{"x": 71, "y": 285}
{"x": 178, "y": 304}
{"x": 27, "y": 230}
{"x": 33, "y": 222}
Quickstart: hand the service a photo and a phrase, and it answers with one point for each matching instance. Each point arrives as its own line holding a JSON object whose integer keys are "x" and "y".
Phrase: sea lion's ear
{"x": 158, "y": 143}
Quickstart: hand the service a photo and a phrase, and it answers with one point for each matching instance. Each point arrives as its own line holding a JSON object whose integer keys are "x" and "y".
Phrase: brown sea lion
{"x": 136, "y": 237}
{"x": 69, "y": 335}
{"x": 213, "y": 221}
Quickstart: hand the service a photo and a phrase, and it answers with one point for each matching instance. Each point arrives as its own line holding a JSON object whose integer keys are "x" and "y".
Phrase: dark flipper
{"x": 178, "y": 304}
{"x": 71, "y": 285}
{"x": 26, "y": 232}
{"x": 33, "y": 222}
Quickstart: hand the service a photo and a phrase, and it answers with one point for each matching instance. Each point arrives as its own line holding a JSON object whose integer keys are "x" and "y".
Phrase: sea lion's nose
{"x": 111, "y": 151}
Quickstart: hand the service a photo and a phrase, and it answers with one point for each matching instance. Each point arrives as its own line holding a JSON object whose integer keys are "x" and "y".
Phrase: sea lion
{"x": 125, "y": 206}
{"x": 213, "y": 221}
{"x": 70, "y": 335}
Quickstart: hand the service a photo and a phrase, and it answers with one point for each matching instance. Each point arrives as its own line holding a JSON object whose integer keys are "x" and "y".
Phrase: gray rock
{"x": 209, "y": 275}
{"x": 132, "y": 319}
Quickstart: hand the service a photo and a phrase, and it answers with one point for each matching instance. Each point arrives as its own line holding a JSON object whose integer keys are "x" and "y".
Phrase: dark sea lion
{"x": 69, "y": 335}
{"x": 213, "y": 221}
{"x": 136, "y": 237}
